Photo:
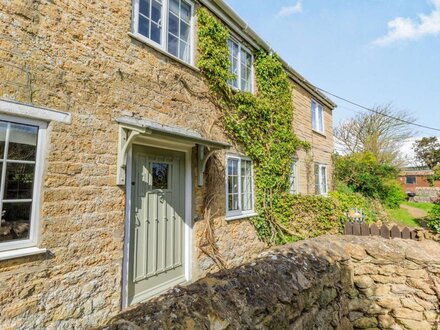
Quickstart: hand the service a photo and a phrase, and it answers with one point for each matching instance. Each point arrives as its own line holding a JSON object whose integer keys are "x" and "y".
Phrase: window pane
{"x": 184, "y": 51}
{"x": 232, "y": 167}
{"x": 246, "y": 185}
{"x": 15, "y": 221}
{"x": 317, "y": 184}
{"x": 294, "y": 177}
{"x": 232, "y": 177}
{"x": 320, "y": 119}
{"x": 185, "y": 12}
{"x": 160, "y": 173}
{"x": 173, "y": 44}
{"x": 314, "y": 115}
{"x": 174, "y": 7}
{"x": 233, "y": 185}
{"x": 233, "y": 57}
{"x": 156, "y": 32}
{"x": 3, "y": 129}
{"x": 156, "y": 12}
{"x": 22, "y": 142}
{"x": 184, "y": 31}
{"x": 19, "y": 181}
{"x": 233, "y": 202}
{"x": 144, "y": 7}
{"x": 324, "y": 180}
{"x": 144, "y": 26}
{"x": 173, "y": 26}
{"x": 246, "y": 64}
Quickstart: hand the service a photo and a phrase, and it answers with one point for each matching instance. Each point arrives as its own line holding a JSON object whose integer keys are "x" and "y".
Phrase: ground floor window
{"x": 411, "y": 179}
{"x": 321, "y": 185}
{"x": 20, "y": 161}
{"x": 294, "y": 178}
{"x": 239, "y": 186}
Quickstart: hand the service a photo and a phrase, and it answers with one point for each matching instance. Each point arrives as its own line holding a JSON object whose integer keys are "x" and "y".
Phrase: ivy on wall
{"x": 261, "y": 123}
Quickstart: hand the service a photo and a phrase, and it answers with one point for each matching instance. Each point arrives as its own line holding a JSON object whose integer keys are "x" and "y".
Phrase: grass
{"x": 423, "y": 206}
{"x": 403, "y": 217}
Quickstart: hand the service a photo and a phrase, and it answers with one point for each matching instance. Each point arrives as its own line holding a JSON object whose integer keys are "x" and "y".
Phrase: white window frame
{"x": 294, "y": 176}
{"x": 317, "y": 124}
{"x": 239, "y": 214}
{"x": 163, "y": 46}
{"x": 241, "y": 48}
{"x": 34, "y": 231}
{"x": 320, "y": 168}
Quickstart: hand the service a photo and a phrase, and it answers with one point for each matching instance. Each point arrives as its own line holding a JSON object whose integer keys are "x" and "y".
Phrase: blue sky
{"x": 370, "y": 51}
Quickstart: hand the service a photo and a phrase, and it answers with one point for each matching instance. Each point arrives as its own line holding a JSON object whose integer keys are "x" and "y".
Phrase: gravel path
{"x": 415, "y": 212}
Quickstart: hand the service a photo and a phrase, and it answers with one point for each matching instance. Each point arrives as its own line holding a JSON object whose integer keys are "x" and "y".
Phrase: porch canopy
{"x": 130, "y": 128}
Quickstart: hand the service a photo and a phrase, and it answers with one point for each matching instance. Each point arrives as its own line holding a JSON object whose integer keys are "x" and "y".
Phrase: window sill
{"x": 12, "y": 254}
{"x": 319, "y": 133}
{"x": 160, "y": 50}
{"x": 241, "y": 216}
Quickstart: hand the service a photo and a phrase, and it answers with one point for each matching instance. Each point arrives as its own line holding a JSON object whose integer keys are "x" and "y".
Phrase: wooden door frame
{"x": 169, "y": 145}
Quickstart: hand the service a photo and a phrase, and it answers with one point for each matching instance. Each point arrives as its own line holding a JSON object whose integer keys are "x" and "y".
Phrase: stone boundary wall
{"x": 428, "y": 191}
{"x": 326, "y": 283}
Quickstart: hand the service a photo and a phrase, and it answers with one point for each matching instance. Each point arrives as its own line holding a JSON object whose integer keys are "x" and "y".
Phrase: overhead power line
{"x": 375, "y": 111}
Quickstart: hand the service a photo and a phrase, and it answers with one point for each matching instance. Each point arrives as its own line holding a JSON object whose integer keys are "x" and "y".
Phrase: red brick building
{"x": 416, "y": 177}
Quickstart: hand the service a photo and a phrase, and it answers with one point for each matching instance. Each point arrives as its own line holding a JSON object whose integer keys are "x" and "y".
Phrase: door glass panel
{"x": 160, "y": 174}
{"x": 22, "y": 142}
{"x": 15, "y": 221}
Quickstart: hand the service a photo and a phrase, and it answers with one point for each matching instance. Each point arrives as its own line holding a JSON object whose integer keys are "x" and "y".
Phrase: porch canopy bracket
{"x": 131, "y": 128}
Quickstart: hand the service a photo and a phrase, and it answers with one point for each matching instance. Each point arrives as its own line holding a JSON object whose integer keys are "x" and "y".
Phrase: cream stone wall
{"x": 77, "y": 56}
{"x": 321, "y": 144}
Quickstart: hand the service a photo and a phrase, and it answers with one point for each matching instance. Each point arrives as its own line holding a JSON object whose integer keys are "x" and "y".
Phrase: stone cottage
{"x": 106, "y": 135}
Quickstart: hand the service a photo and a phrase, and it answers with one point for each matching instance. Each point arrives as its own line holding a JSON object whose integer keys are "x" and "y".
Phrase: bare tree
{"x": 382, "y": 132}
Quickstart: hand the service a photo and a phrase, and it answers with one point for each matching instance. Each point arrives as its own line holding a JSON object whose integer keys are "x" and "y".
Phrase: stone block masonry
{"x": 78, "y": 57}
{"x": 325, "y": 283}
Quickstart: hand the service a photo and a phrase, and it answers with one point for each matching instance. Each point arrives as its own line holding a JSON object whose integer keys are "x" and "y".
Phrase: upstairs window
{"x": 20, "y": 181}
{"x": 321, "y": 185}
{"x": 239, "y": 186}
{"x": 294, "y": 179}
{"x": 167, "y": 24}
{"x": 241, "y": 66}
{"x": 317, "y": 117}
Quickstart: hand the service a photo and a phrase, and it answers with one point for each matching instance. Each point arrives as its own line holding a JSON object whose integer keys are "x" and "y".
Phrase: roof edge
{"x": 240, "y": 27}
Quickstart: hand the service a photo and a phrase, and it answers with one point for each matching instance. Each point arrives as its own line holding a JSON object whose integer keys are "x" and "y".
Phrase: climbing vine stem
{"x": 260, "y": 123}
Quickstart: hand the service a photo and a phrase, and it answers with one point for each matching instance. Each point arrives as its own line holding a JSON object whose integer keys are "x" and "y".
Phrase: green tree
{"x": 363, "y": 173}
{"x": 427, "y": 151}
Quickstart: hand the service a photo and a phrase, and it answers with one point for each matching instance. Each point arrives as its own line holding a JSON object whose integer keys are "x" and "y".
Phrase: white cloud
{"x": 402, "y": 28}
{"x": 290, "y": 10}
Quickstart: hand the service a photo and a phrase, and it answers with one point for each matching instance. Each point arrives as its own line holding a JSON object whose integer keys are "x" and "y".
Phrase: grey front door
{"x": 156, "y": 248}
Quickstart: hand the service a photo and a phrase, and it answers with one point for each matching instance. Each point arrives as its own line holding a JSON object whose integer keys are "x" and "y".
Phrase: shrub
{"x": 363, "y": 174}
{"x": 434, "y": 217}
{"x": 308, "y": 216}
{"x": 393, "y": 194}
{"x": 346, "y": 199}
